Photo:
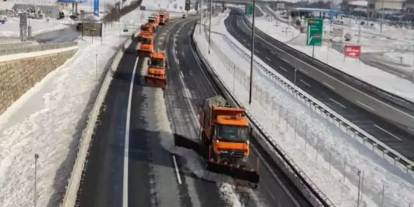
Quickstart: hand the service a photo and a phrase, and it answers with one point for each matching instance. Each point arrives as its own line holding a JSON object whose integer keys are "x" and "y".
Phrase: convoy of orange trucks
{"x": 146, "y": 45}
{"x": 156, "y": 73}
{"x": 225, "y": 131}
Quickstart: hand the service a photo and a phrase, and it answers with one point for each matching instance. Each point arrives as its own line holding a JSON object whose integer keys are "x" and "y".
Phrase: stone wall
{"x": 18, "y": 76}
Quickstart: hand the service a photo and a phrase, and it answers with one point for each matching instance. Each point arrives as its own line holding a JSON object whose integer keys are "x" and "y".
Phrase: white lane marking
{"x": 187, "y": 93}
{"x": 387, "y": 132}
{"x": 268, "y": 59}
{"x": 306, "y": 83}
{"x": 329, "y": 86}
{"x": 338, "y": 103}
{"x": 126, "y": 145}
{"x": 284, "y": 69}
{"x": 328, "y": 75}
{"x": 177, "y": 173}
{"x": 366, "y": 106}
{"x": 276, "y": 177}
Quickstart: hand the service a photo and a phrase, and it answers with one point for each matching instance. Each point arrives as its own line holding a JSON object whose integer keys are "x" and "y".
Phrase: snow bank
{"x": 328, "y": 155}
{"x": 48, "y": 120}
{"x": 171, "y": 5}
{"x": 371, "y": 40}
{"x": 11, "y": 27}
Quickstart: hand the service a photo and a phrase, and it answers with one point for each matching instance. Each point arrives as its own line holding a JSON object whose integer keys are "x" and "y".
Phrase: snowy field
{"x": 371, "y": 41}
{"x": 331, "y": 158}
{"x": 11, "y": 27}
{"x": 45, "y": 120}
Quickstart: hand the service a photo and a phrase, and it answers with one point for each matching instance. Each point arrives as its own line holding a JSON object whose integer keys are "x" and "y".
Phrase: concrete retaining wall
{"x": 17, "y": 76}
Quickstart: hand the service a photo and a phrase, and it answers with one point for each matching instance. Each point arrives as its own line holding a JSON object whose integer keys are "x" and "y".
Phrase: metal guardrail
{"x": 382, "y": 149}
{"x": 347, "y": 85}
{"x": 297, "y": 176}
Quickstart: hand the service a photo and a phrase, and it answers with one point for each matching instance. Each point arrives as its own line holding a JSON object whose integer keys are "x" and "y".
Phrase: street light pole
{"x": 294, "y": 77}
{"x": 209, "y": 26}
{"x": 252, "y": 52}
{"x": 382, "y": 15}
{"x": 359, "y": 186}
{"x": 36, "y": 156}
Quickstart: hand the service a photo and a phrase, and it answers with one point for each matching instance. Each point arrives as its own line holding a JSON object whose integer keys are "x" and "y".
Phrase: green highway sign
{"x": 249, "y": 9}
{"x": 315, "y": 29}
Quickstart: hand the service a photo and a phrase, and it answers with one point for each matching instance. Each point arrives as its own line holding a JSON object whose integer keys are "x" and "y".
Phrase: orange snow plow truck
{"x": 164, "y": 17}
{"x": 156, "y": 75}
{"x": 146, "y": 45}
{"x": 226, "y": 133}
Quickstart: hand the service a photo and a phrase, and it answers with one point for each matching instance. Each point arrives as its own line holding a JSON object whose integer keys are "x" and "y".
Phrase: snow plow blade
{"x": 234, "y": 172}
{"x": 155, "y": 82}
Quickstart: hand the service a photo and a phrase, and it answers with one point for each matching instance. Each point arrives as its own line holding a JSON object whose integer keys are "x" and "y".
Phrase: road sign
{"x": 249, "y": 9}
{"x": 187, "y": 5}
{"x": 96, "y": 7}
{"x": 280, "y": 5}
{"x": 315, "y": 29}
{"x": 353, "y": 51}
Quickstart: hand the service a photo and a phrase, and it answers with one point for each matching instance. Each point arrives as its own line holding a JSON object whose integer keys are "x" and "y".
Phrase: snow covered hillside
{"x": 333, "y": 159}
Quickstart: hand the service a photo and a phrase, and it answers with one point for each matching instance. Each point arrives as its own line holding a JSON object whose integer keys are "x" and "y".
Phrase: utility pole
{"x": 36, "y": 157}
{"x": 382, "y": 195}
{"x": 359, "y": 186}
{"x": 252, "y": 52}
{"x": 209, "y": 26}
{"x": 200, "y": 9}
{"x": 294, "y": 77}
{"x": 382, "y": 15}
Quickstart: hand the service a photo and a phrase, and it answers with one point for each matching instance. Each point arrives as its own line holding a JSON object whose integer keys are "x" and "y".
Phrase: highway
{"x": 149, "y": 159}
{"x": 268, "y": 49}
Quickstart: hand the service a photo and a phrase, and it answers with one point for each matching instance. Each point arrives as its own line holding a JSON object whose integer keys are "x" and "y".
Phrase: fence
{"x": 286, "y": 119}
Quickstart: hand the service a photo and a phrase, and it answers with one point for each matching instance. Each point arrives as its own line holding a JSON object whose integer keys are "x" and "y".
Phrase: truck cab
{"x": 154, "y": 20}
{"x": 148, "y": 27}
{"x": 156, "y": 74}
{"x": 146, "y": 45}
{"x": 143, "y": 34}
{"x": 226, "y": 131}
{"x": 164, "y": 17}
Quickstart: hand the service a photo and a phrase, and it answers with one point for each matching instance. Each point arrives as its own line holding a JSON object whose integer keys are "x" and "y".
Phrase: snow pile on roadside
{"x": 354, "y": 67}
{"x": 271, "y": 26}
{"x": 328, "y": 155}
{"x": 401, "y": 58}
{"x": 11, "y": 27}
{"x": 48, "y": 120}
{"x": 170, "y": 5}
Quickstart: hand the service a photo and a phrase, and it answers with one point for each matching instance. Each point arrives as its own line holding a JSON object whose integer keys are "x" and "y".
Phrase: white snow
{"x": 11, "y": 27}
{"x": 45, "y": 121}
{"x": 361, "y": 3}
{"x": 371, "y": 40}
{"x": 171, "y": 5}
{"x": 330, "y": 157}
{"x": 33, "y": 54}
{"x": 401, "y": 58}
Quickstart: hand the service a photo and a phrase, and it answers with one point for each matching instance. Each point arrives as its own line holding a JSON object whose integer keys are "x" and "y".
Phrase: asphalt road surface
{"x": 157, "y": 116}
{"x": 396, "y": 138}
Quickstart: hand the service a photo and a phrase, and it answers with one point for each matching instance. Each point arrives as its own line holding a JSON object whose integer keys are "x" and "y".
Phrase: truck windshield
{"x": 157, "y": 63}
{"x": 233, "y": 133}
{"x": 146, "y": 41}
